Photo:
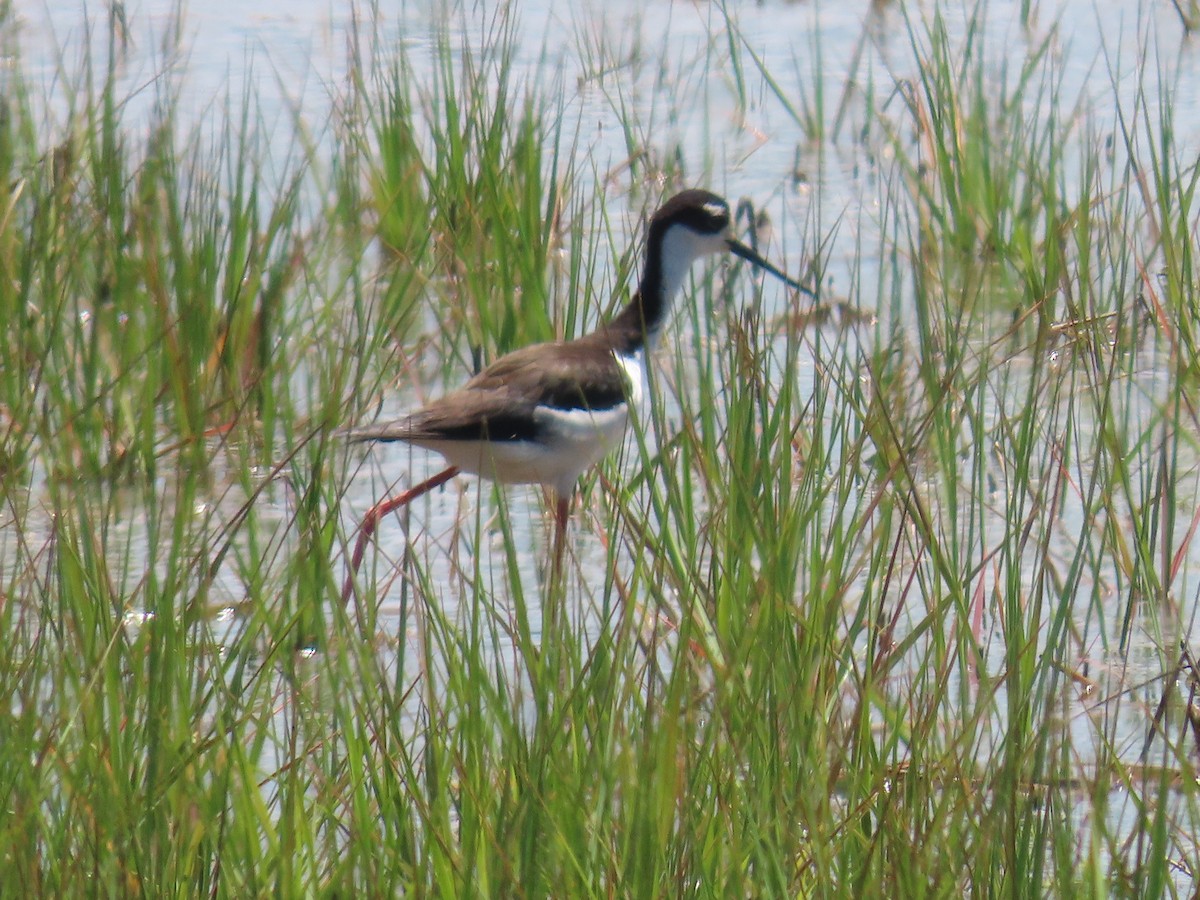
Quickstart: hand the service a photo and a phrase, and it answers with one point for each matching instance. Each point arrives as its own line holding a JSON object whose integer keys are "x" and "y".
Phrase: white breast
{"x": 635, "y": 372}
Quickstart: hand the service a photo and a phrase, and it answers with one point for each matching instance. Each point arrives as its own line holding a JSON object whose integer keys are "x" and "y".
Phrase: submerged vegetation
{"x": 891, "y": 593}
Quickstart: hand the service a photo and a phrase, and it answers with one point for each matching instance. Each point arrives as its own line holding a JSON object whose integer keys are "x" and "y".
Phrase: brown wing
{"x": 500, "y": 403}
{"x": 580, "y": 374}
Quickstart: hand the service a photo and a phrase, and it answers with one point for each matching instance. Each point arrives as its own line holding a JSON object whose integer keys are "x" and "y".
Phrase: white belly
{"x": 569, "y": 441}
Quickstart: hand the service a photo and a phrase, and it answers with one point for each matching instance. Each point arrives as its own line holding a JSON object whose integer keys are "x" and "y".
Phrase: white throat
{"x": 679, "y": 251}
{"x": 680, "y": 248}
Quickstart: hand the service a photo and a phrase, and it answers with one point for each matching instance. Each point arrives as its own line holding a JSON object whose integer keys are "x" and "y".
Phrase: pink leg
{"x": 562, "y": 512}
{"x": 377, "y": 512}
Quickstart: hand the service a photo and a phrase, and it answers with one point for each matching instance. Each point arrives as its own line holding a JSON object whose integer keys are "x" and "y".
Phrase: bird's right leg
{"x": 388, "y": 504}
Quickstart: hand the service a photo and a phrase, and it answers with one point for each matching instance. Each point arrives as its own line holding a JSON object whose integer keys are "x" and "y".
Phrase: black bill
{"x": 737, "y": 248}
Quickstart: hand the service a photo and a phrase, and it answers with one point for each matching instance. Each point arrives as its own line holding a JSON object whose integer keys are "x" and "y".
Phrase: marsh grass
{"x": 889, "y": 605}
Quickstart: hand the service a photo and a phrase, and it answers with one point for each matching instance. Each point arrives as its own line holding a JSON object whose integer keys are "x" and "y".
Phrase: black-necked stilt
{"x": 545, "y": 413}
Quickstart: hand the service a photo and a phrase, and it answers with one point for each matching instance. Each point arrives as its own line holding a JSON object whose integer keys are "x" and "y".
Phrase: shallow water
{"x": 295, "y": 56}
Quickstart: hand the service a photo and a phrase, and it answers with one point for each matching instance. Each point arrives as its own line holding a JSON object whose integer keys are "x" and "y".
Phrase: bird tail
{"x": 383, "y": 432}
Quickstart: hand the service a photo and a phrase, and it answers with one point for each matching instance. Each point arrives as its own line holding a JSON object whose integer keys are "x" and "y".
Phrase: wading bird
{"x": 545, "y": 413}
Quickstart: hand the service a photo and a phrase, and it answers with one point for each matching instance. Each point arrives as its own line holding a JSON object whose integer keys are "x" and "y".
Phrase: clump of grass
{"x": 464, "y": 173}
{"x": 148, "y": 290}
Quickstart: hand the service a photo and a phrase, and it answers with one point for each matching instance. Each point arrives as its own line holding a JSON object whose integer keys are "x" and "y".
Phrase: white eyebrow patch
{"x": 716, "y": 210}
